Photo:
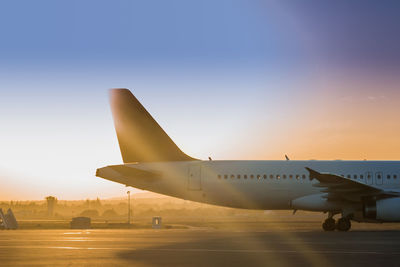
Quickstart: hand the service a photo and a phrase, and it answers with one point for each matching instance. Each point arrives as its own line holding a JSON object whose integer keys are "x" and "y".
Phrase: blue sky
{"x": 140, "y": 32}
{"x": 199, "y": 33}
{"x": 232, "y": 79}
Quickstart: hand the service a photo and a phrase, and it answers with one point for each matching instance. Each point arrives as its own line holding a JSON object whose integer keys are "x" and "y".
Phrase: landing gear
{"x": 343, "y": 224}
{"x": 329, "y": 224}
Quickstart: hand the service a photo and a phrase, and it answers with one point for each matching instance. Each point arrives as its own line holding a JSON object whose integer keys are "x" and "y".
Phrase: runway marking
{"x": 123, "y": 240}
{"x": 77, "y": 233}
{"x": 210, "y": 250}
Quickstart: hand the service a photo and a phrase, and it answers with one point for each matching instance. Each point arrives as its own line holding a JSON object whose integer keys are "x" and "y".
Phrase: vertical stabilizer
{"x": 140, "y": 137}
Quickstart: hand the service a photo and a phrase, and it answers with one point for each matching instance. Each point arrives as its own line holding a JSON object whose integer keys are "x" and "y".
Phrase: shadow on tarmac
{"x": 275, "y": 249}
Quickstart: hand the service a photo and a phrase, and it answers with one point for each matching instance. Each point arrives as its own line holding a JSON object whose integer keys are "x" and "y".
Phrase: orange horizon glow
{"x": 327, "y": 121}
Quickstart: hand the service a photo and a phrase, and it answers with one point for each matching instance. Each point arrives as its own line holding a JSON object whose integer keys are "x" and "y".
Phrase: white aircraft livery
{"x": 362, "y": 191}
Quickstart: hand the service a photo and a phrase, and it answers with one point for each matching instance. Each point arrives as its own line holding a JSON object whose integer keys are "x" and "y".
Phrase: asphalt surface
{"x": 200, "y": 247}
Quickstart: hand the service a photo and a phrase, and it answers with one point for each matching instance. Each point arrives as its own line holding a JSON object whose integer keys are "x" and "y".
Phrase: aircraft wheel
{"x": 329, "y": 224}
{"x": 343, "y": 224}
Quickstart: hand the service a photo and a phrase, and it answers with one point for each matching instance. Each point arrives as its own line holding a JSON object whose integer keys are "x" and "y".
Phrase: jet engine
{"x": 317, "y": 202}
{"x": 386, "y": 210}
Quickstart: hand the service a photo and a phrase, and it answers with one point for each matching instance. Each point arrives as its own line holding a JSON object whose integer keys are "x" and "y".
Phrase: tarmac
{"x": 200, "y": 247}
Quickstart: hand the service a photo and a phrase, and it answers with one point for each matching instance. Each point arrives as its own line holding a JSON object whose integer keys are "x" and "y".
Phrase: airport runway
{"x": 200, "y": 247}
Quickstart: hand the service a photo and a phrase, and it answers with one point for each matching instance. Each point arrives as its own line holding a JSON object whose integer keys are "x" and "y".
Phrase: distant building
{"x": 51, "y": 204}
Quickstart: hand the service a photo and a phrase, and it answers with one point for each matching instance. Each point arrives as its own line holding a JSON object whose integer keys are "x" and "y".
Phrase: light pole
{"x": 129, "y": 207}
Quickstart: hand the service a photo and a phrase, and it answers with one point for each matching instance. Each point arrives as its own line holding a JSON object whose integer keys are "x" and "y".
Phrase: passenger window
{"x": 290, "y": 176}
{"x": 355, "y": 176}
{"x": 238, "y": 176}
{"x": 245, "y": 176}
{"x": 394, "y": 176}
{"x": 297, "y": 176}
{"x": 348, "y": 176}
{"x": 252, "y": 176}
{"x": 379, "y": 176}
{"x": 361, "y": 176}
{"x": 278, "y": 177}
{"x": 226, "y": 176}
{"x": 232, "y": 176}
{"x": 219, "y": 176}
{"x": 258, "y": 176}
{"x": 284, "y": 176}
{"x": 388, "y": 176}
{"x": 265, "y": 176}
{"x": 271, "y": 176}
{"x": 303, "y": 176}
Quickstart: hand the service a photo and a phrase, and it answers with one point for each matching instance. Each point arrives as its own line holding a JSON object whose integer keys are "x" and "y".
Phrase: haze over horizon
{"x": 226, "y": 79}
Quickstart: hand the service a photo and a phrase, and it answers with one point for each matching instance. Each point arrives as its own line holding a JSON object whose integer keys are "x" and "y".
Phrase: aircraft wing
{"x": 340, "y": 188}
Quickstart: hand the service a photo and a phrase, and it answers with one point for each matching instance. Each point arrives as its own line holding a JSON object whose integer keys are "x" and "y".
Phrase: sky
{"x": 233, "y": 79}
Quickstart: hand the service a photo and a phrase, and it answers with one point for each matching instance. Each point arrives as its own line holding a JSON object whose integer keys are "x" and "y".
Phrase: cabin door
{"x": 194, "y": 181}
{"x": 378, "y": 178}
{"x": 369, "y": 178}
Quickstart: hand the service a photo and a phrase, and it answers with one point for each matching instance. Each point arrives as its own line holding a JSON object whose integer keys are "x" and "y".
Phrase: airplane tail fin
{"x": 140, "y": 137}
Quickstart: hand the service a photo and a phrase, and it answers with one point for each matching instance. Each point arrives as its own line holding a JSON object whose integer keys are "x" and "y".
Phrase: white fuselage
{"x": 266, "y": 185}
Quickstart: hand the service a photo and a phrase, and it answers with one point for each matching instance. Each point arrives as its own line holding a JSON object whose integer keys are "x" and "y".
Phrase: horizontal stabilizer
{"x": 125, "y": 174}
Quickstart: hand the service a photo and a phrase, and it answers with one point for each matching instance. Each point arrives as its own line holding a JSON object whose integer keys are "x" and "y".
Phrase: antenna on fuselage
{"x": 286, "y": 157}
{"x": 209, "y": 158}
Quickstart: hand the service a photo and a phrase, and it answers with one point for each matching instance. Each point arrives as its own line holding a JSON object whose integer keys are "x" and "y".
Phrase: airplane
{"x": 361, "y": 191}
